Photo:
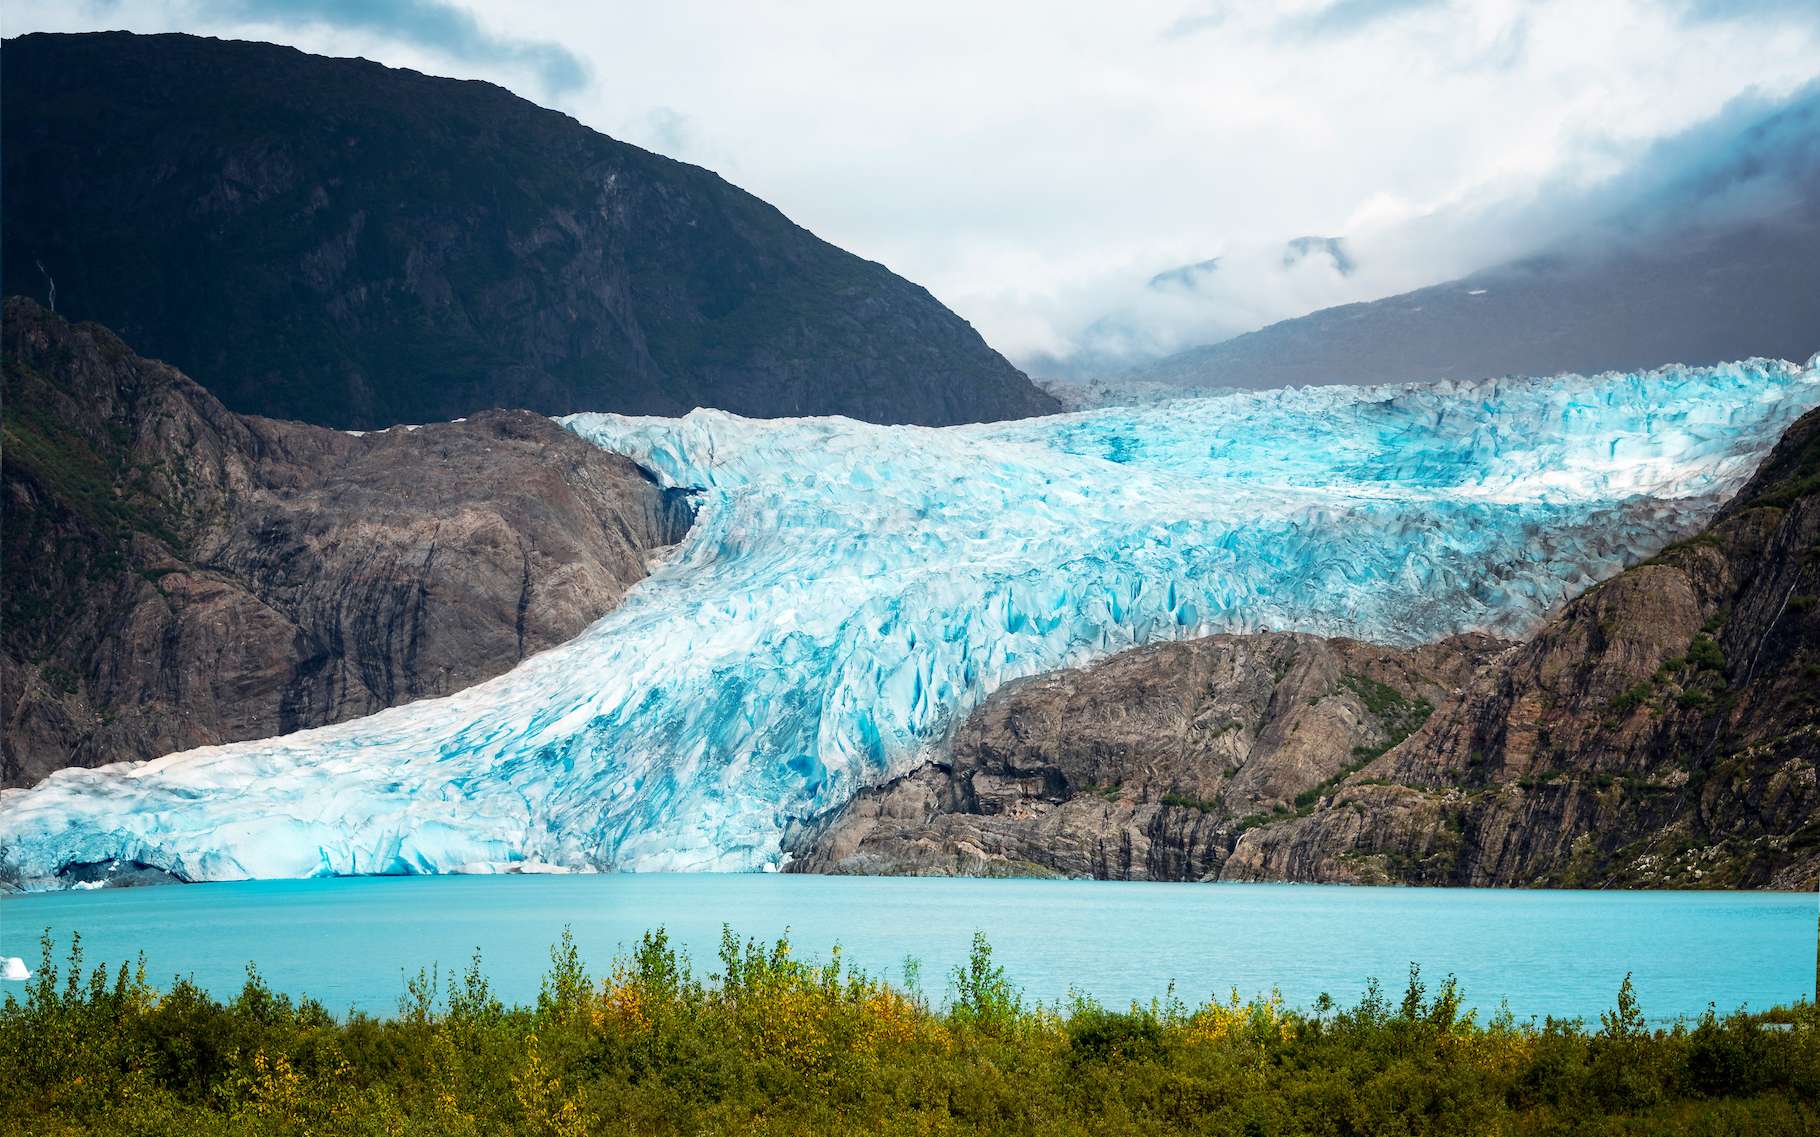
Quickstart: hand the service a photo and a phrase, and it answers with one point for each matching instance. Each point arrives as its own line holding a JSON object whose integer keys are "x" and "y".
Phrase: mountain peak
{"x": 356, "y": 245}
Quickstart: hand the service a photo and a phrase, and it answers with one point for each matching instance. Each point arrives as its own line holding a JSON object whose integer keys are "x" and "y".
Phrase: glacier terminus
{"x": 849, "y": 590}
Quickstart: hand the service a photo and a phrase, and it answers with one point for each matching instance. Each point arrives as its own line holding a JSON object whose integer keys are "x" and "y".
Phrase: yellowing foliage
{"x": 774, "y": 1044}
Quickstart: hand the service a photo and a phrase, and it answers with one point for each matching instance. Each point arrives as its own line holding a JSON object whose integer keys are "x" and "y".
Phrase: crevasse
{"x": 849, "y": 589}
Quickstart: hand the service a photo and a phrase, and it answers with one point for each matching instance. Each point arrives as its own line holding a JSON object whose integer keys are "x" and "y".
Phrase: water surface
{"x": 349, "y": 941}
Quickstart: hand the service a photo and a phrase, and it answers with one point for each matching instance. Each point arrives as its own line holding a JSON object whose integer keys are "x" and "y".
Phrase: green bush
{"x": 1704, "y": 653}
{"x": 776, "y": 1045}
{"x": 1096, "y": 1034}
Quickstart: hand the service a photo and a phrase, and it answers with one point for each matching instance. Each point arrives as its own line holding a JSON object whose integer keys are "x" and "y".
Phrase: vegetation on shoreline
{"x": 774, "y": 1045}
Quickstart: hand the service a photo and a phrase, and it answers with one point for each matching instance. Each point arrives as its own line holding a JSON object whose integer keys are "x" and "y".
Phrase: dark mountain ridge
{"x": 354, "y": 245}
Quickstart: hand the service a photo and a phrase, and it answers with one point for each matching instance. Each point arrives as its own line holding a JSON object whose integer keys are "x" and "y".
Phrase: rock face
{"x": 1662, "y": 730}
{"x": 1147, "y": 765}
{"x": 179, "y": 575}
{"x": 343, "y": 243}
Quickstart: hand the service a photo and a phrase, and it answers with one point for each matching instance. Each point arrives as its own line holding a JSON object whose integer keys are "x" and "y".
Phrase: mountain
{"x": 1190, "y": 277}
{"x": 1144, "y": 766}
{"x": 179, "y": 575}
{"x": 1708, "y": 250}
{"x": 1663, "y": 729}
{"x": 353, "y": 245}
{"x": 849, "y": 592}
{"x": 1186, "y": 277}
{"x": 1191, "y": 303}
{"x": 1333, "y": 249}
{"x": 1714, "y": 296}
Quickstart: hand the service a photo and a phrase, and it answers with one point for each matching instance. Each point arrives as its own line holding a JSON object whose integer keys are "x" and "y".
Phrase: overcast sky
{"x": 1034, "y": 162}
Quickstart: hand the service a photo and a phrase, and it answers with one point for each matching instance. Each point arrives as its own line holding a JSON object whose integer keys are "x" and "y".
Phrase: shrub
{"x": 776, "y": 1044}
{"x": 983, "y": 997}
{"x": 1099, "y": 1035}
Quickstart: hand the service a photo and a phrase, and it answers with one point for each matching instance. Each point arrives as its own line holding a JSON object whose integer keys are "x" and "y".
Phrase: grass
{"x": 770, "y": 1044}
{"x": 1699, "y": 673}
{"x": 1400, "y": 716}
{"x": 91, "y": 504}
{"x": 1186, "y": 801}
{"x": 88, "y": 482}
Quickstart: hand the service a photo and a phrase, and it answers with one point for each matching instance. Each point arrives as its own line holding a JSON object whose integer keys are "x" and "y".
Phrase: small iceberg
{"x": 539, "y": 868}
{"x": 13, "y": 968}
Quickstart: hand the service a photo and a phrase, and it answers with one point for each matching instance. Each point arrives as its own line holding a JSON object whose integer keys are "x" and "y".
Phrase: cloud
{"x": 1726, "y": 10}
{"x": 1330, "y": 19}
{"x": 1755, "y": 162}
{"x": 1199, "y": 19}
{"x": 1756, "y": 159}
{"x": 667, "y": 130}
{"x": 1140, "y": 316}
{"x": 1037, "y": 171}
{"x": 1343, "y": 18}
{"x": 439, "y": 27}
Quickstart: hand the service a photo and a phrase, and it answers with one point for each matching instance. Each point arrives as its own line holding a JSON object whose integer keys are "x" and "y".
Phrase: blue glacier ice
{"x": 849, "y": 590}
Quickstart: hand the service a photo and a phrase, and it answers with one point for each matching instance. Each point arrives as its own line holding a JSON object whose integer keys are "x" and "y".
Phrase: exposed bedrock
{"x": 1146, "y": 766}
{"x": 1662, "y": 729}
{"x": 178, "y": 575}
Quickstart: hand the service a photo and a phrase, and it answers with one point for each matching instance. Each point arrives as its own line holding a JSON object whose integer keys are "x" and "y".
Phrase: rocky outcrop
{"x": 348, "y": 244}
{"x": 1662, "y": 730}
{"x": 179, "y": 575}
{"x": 1145, "y": 766}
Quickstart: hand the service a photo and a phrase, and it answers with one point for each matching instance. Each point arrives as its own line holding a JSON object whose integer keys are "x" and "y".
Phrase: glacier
{"x": 849, "y": 590}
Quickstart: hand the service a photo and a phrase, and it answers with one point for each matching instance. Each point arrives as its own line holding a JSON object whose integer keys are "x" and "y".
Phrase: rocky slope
{"x": 348, "y": 244}
{"x": 1147, "y": 765}
{"x": 1662, "y": 730}
{"x": 178, "y": 575}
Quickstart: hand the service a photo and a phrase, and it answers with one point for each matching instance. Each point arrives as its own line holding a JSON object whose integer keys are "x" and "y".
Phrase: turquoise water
{"x": 349, "y": 941}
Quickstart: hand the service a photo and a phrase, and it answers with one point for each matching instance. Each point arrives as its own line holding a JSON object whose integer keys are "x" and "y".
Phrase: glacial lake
{"x": 349, "y": 941}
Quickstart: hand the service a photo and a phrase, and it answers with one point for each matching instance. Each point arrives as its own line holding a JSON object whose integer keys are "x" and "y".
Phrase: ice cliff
{"x": 849, "y": 589}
